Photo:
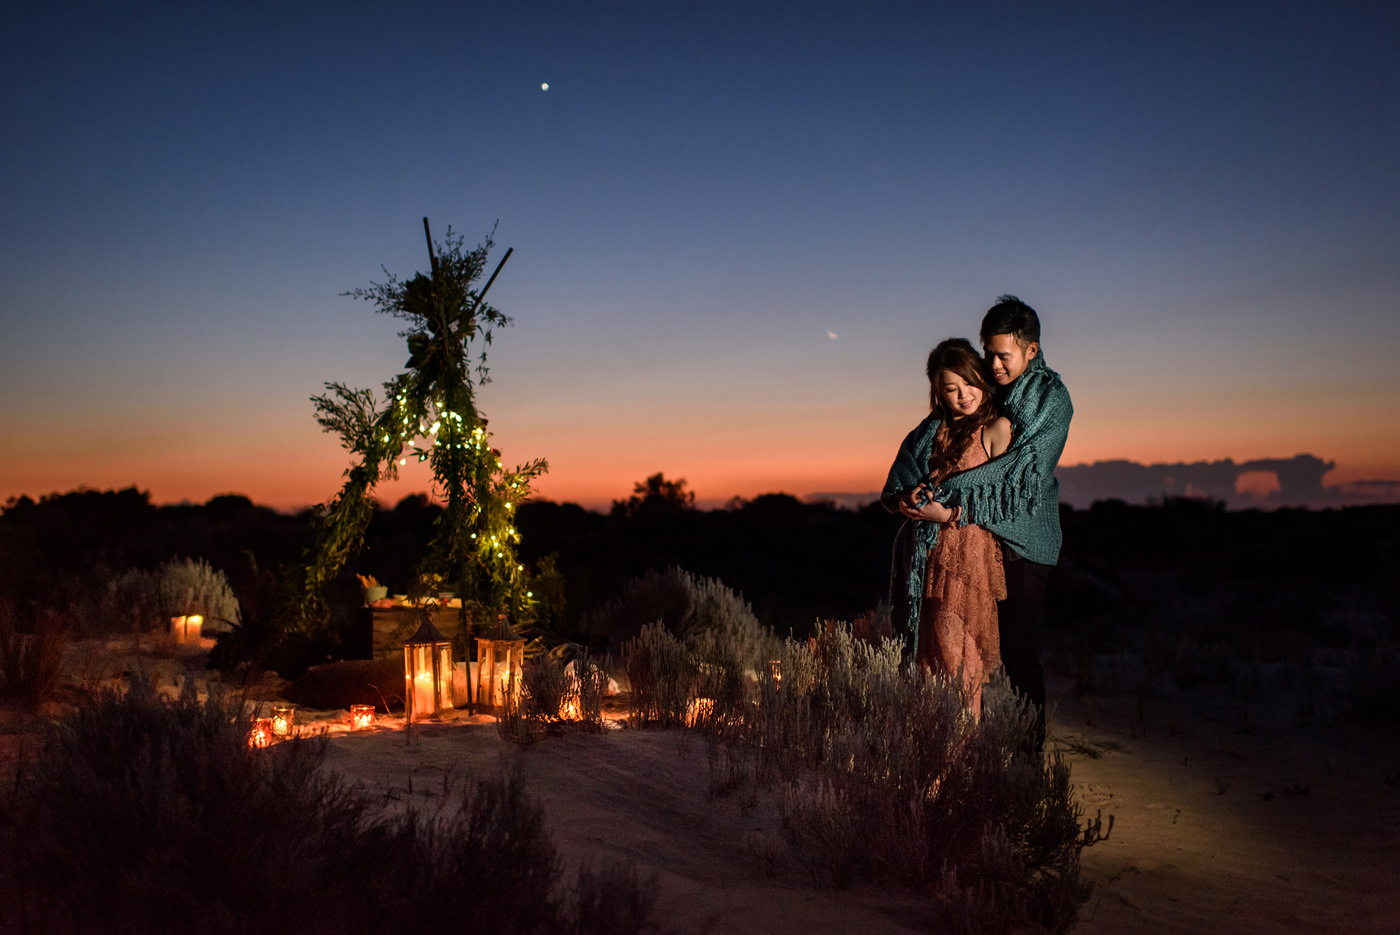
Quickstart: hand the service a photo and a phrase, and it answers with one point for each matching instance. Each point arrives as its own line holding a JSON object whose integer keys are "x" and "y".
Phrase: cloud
{"x": 831, "y": 334}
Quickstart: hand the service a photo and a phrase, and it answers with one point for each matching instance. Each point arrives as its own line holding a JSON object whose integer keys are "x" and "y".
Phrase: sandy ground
{"x": 1233, "y": 817}
{"x": 1224, "y": 819}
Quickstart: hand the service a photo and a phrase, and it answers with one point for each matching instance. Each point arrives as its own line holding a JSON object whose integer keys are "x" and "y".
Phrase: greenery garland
{"x": 429, "y": 412}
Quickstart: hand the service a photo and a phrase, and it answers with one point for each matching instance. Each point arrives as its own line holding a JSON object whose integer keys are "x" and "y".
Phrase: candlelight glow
{"x": 500, "y": 665}
{"x": 261, "y": 733}
{"x": 186, "y": 627}
{"x": 283, "y": 720}
{"x": 427, "y": 661}
{"x": 361, "y": 716}
{"x": 699, "y": 709}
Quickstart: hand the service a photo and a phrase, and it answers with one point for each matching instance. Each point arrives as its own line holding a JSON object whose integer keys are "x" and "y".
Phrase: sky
{"x": 737, "y": 229}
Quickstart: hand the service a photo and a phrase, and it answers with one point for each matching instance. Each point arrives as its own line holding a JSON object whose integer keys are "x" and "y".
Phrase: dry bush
{"x": 144, "y": 814}
{"x": 886, "y": 776}
{"x": 685, "y": 605}
{"x": 592, "y": 681}
{"x": 31, "y": 664}
{"x": 193, "y": 587}
{"x": 548, "y": 686}
{"x": 662, "y": 676}
{"x": 131, "y": 603}
{"x": 704, "y": 642}
{"x": 555, "y": 694}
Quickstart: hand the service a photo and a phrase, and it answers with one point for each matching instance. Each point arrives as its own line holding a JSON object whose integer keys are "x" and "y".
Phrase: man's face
{"x": 1007, "y": 358}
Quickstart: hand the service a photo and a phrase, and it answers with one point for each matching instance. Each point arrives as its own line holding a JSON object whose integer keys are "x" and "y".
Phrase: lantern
{"x": 361, "y": 716}
{"x": 427, "y": 672}
{"x": 500, "y": 660}
{"x": 261, "y": 733}
{"x": 186, "y": 627}
{"x": 283, "y": 719}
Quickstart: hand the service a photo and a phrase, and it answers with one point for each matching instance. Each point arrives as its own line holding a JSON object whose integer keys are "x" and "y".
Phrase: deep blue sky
{"x": 1201, "y": 200}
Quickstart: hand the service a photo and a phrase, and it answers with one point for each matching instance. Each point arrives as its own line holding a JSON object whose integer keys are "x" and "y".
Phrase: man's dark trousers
{"x": 1020, "y": 619}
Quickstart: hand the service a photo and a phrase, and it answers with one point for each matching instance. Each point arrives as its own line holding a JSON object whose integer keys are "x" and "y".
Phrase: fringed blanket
{"x": 1016, "y": 496}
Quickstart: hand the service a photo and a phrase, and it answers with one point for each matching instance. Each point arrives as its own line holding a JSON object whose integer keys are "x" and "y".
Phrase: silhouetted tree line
{"x": 1189, "y": 592}
{"x": 1185, "y": 566}
{"x": 63, "y": 549}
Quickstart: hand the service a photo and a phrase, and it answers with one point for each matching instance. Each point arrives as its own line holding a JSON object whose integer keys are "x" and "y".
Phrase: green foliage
{"x": 144, "y": 814}
{"x": 432, "y": 404}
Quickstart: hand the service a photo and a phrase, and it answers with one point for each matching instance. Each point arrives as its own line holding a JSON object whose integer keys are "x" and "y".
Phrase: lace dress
{"x": 965, "y": 581}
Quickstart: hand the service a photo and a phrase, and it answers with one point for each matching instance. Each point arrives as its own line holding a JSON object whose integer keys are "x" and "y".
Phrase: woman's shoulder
{"x": 996, "y": 436}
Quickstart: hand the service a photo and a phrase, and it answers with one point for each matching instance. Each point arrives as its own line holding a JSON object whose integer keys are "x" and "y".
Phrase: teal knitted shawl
{"x": 1015, "y": 496}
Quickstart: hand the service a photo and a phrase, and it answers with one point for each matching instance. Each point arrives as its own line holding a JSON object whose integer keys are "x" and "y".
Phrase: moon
{"x": 544, "y": 86}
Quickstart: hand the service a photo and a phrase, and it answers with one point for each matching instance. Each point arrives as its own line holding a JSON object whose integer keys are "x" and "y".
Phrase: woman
{"x": 955, "y": 628}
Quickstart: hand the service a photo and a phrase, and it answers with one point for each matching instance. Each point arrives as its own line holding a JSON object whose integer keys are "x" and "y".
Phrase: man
{"x": 1015, "y": 496}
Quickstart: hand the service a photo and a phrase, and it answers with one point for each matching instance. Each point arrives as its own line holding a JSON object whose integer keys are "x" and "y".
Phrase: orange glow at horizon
{"x": 595, "y": 475}
{"x": 723, "y": 448}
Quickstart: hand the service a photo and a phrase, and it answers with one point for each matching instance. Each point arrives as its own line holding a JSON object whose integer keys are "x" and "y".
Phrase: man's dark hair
{"x": 1011, "y": 316}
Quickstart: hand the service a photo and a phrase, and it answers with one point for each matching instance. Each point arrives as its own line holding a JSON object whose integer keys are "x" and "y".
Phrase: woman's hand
{"x": 929, "y": 511}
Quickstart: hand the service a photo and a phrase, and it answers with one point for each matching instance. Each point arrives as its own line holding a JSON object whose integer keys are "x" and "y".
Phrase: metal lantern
{"x": 427, "y": 672}
{"x": 500, "y": 661}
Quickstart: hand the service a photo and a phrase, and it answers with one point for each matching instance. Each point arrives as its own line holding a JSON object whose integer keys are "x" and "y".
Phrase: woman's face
{"x": 959, "y": 397}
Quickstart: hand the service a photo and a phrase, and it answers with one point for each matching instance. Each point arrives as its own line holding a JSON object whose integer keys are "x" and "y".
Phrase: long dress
{"x": 965, "y": 580}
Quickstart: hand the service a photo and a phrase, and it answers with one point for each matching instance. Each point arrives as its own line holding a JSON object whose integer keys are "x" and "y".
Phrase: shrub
{"x": 554, "y": 693}
{"x": 147, "y": 814}
{"x": 31, "y": 663}
{"x": 193, "y": 587}
{"x": 132, "y": 603}
{"x": 886, "y": 776}
{"x": 696, "y": 640}
{"x": 661, "y": 675}
{"x": 685, "y": 605}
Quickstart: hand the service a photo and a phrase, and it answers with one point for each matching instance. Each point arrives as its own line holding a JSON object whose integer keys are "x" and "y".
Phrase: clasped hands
{"x": 916, "y": 505}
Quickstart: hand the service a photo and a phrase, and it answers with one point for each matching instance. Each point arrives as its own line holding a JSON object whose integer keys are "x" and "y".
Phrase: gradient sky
{"x": 737, "y": 231}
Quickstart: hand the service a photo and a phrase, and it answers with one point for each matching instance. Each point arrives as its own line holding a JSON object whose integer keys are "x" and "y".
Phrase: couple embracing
{"x": 976, "y": 480}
